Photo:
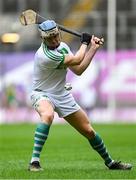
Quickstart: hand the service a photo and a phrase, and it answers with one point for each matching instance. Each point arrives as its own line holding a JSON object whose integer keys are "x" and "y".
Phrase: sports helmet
{"x": 48, "y": 28}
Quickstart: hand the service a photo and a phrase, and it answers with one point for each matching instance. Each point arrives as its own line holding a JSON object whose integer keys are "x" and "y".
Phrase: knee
{"x": 47, "y": 117}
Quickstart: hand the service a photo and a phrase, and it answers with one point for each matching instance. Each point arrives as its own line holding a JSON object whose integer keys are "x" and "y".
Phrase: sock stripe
{"x": 40, "y": 137}
{"x": 37, "y": 145}
{"x": 36, "y": 152}
{"x": 35, "y": 159}
{"x": 98, "y": 144}
{"x": 100, "y": 147}
{"x": 109, "y": 164}
{"x": 42, "y": 134}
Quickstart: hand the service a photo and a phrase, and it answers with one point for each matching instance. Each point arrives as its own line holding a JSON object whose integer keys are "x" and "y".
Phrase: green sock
{"x": 98, "y": 145}
{"x": 41, "y": 134}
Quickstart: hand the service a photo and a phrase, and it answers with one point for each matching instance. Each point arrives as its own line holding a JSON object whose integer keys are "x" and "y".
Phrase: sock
{"x": 98, "y": 145}
{"x": 40, "y": 137}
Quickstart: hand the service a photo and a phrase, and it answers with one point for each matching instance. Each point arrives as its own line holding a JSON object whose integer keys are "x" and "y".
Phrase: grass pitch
{"x": 66, "y": 154}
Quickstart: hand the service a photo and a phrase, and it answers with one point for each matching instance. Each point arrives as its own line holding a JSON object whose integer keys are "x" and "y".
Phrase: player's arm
{"x": 95, "y": 44}
{"x": 70, "y": 59}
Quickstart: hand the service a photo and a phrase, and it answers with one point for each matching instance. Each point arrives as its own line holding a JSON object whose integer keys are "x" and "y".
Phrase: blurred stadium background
{"x": 107, "y": 89}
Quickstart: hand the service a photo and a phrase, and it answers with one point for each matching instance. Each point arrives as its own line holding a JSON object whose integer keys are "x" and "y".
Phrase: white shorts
{"x": 63, "y": 103}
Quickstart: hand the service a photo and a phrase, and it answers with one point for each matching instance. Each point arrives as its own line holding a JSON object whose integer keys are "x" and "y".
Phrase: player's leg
{"x": 46, "y": 112}
{"x": 80, "y": 122}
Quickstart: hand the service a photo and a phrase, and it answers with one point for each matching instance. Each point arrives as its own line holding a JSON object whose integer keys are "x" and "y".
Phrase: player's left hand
{"x": 96, "y": 42}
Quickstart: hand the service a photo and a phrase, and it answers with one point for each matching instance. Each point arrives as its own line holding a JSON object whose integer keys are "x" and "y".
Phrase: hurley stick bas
{"x": 29, "y": 17}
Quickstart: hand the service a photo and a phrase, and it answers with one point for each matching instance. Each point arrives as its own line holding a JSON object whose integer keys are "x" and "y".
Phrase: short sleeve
{"x": 67, "y": 48}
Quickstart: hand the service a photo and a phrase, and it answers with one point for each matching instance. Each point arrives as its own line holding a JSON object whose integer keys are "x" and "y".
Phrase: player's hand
{"x": 96, "y": 42}
{"x": 85, "y": 38}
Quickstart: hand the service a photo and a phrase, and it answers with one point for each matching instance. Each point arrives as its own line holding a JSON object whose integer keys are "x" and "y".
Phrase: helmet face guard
{"x": 48, "y": 29}
{"x": 50, "y": 33}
